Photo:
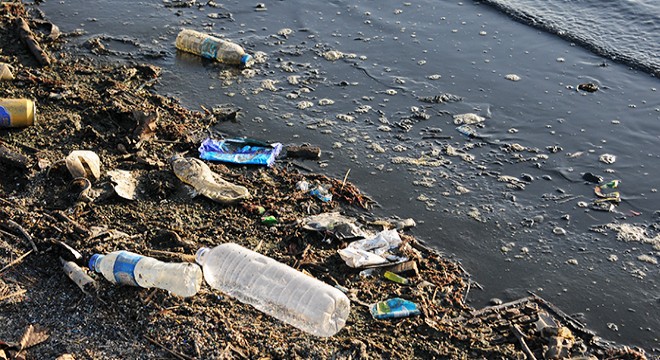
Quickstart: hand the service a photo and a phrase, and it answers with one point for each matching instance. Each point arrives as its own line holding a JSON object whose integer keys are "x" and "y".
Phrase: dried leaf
{"x": 33, "y": 335}
{"x": 84, "y": 163}
{"x": 146, "y": 127}
{"x": 125, "y": 183}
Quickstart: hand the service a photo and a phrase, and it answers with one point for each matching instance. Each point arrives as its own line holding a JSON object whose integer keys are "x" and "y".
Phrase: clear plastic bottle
{"x": 212, "y": 47}
{"x": 127, "y": 268}
{"x": 275, "y": 288}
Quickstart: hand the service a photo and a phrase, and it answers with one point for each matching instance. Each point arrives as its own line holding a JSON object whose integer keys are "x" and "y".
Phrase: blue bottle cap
{"x": 94, "y": 260}
{"x": 247, "y": 60}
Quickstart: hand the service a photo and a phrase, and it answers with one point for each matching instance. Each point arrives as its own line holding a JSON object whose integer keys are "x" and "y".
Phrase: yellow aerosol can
{"x": 17, "y": 113}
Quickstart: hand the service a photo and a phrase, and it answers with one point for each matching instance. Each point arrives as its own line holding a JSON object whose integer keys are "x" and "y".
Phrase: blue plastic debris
{"x": 240, "y": 151}
{"x": 394, "y": 308}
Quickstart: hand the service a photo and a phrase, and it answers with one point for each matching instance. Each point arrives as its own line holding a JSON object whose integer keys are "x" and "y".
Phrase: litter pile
{"x": 110, "y": 165}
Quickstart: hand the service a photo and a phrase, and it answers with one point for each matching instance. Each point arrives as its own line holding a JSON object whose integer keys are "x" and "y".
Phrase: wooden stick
{"x": 25, "y": 234}
{"x": 174, "y": 353}
{"x": 17, "y": 293}
{"x": 344, "y": 181}
{"x": 16, "y": 261}
{"x": 28, "y": 38}
{"x": 521, "y": 338}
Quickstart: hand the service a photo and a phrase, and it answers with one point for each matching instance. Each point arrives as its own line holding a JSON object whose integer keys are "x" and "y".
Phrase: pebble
{"x": 512, "y": 77}
{"x": 495, "y": 301}
{"x": 572, "y": 261}
{"x": 526, "y": 177}
{"x": 547, "y": 177}
{"x": 558, "y": 231}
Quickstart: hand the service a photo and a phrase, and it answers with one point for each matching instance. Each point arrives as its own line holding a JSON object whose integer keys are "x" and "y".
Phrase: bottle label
{"x": 124, "y": 268}
{"x": 209, "y": 48}
{"x": 5, "y": 117}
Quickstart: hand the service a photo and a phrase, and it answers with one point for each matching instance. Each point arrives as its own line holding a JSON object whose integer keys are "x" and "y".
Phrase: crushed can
{"x": 17, "y": 113}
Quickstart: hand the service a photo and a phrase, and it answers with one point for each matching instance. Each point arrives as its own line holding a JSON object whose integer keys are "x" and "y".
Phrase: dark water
{"x": 398, "y": 46}
{"x": 622, "y": 30}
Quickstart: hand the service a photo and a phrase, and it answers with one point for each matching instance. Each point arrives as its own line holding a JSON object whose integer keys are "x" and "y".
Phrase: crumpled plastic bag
{"x": 372, "y": 251}
{"x": 342, "y": 227}
{"x": 240, "y": 151}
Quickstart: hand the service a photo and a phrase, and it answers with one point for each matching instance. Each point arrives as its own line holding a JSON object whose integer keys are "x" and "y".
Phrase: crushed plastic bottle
{"x": 127, "y": 268}
{"x": 275, "y": 288}
{"x": 212, "y": 47}
{"x": 393, "y": 308}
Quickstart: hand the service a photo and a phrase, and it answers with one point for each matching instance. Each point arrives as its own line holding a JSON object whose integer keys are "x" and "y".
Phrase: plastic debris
{"x": 373, "y": 251}
{"x": 197, "y": 174}
{"x": 78, "y": 276}
{"x": 83, "y": 163}
{"x": 6, "y": 72}
{"x": 396, "y": 278}
{"x": 269, "y": 220}
{"x": 340, "y": 226}
{"x": 468, "y": 131}
{"x": 612, "y": 196}
{"x": 393, "y": 308}
{"x": 240, "y": 151}
{"x": 322, "y": 192}
{"x": 588, "y": 87}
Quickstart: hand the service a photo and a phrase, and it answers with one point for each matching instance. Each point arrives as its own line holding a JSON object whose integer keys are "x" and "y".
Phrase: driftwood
{"x": 31, "y": 42}
{"x": 303, "y": 152}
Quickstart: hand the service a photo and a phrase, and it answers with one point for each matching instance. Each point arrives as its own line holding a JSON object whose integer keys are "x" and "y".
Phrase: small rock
{"x": 558, "y": 231}
{"x": 512, "y": 77}
{"x": 495, "y": 301}
{"x": 588, "y": 87}
{"x": 607, "y": 158}
{"x": 596, "y": 179}
{"x": 547, "y": 177}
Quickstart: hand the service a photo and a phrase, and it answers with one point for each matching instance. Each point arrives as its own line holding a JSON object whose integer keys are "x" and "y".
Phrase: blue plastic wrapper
{"x": 394, "y": 308}
{"x": 240, "y": 151}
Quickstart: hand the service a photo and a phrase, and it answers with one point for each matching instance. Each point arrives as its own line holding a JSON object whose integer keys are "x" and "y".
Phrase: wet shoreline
{"x": 541, "y": 106}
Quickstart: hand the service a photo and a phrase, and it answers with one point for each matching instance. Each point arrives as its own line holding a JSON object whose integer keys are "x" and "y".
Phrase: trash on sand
{"x": 396, "y": 278}
{"x": 393, "y": 308}
{"x": 212, "y": 47}
{"x": 373, "y": 251}
{"x": 17, "y": 113}
{"x": 407, "y": 268}
{"x": 607, "y": 158}
{"x": 78, "y": 276}
{"x": 127, "y": 268}
{"x": 468, "y": 119}
{"x": 240, "y": 151}
{"x": 6, "y": 72}
{"x": 322, "y": 192}
{"x": 197, "y": 174}
{"x": 124, "y": 183}
{"x": 269, "y": 220}
{"x": 340, "y": 226}
{"x": 275, "y": 288}
{"x": 83, "y": 163}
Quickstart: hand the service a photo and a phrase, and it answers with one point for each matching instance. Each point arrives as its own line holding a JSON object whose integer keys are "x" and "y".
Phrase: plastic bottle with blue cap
{"x": 212, "y": 47}
{"x": 127, "y": 268}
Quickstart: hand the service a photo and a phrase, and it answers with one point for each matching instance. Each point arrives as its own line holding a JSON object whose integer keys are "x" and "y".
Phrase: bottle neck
{"x": 200, "y": 256}
{"x": 94, "y": 261}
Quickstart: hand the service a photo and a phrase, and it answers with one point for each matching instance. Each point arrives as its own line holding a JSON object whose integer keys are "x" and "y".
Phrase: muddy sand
{"x": 112, "y": 110}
